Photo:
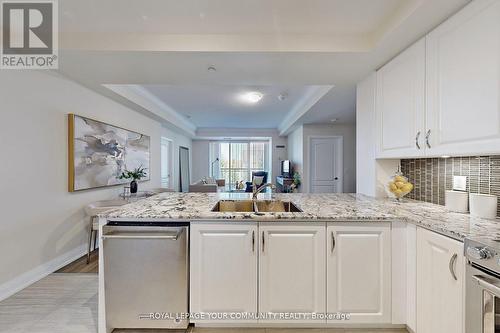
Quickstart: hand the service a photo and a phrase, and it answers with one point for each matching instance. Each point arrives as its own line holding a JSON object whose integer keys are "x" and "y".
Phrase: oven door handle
{"x": 487, "y": 285}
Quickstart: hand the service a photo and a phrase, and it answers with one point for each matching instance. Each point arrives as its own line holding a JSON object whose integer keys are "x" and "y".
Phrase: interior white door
{"x": 292, "y": 269}
{"x": 440, "y": 283}
{"x": 326, "y": 165}
{"x": 400, "y": 104}
{"x": 223, "y": 268}
{"x": 463, "y": 82}
{"x": 359, "y": 271}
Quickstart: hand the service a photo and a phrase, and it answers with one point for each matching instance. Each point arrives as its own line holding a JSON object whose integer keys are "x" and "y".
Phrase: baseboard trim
{"x": 26, "y": 279}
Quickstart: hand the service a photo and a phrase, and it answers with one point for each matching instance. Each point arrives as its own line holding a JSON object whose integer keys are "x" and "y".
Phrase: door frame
{"x": 339, "y": 159}
{"x": 181, "y": 148}
{"x": 170, "y": 165}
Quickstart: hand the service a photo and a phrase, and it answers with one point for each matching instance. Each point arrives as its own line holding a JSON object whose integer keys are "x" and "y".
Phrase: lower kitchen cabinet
{"x": 359, "y": 271}
{"x": 440, "y": 283}
{"x": 223, "y": 268}
{"x": 292, "y": 268}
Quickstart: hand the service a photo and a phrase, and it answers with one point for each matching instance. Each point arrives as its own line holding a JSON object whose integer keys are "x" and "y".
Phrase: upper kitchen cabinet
{"x": 463, "y": 83}
{"x": 400, "y": 105}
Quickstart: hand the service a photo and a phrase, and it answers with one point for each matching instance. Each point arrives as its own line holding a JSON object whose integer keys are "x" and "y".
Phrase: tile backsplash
{"x": 432, "y": 176}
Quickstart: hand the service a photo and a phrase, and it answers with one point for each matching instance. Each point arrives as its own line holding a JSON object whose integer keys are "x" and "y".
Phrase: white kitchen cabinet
{"x": 400, "y": 103}
{"x": 463, "y": 82}
{"x": 359, "y": 271}
{"x": 223, "y": 268}
{"x": 292, "y": 268}
{"x": 440, "y": 283}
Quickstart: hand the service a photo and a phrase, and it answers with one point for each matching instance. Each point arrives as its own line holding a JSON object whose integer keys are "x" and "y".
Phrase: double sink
{"x": 256, "y": 206}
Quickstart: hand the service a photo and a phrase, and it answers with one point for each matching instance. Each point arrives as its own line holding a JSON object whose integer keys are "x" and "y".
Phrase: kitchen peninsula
{"x": 344, "y": 254}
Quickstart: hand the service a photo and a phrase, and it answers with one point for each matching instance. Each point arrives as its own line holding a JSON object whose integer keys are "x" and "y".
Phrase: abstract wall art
{"x": 99, "y": 153}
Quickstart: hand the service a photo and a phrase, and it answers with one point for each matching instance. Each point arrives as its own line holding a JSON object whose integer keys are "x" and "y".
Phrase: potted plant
{"x": 296, "y": 181}
{"x": 135, "y": 175}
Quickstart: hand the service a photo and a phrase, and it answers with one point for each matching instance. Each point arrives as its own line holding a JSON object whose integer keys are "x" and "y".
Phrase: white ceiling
{"x": 221, "y": 105}
{"x": 167, "y": 45}
{"x": 229, "y": 16}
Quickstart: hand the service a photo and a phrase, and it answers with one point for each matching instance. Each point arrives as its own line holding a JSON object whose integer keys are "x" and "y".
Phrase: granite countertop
{"x": 316, "y": 207}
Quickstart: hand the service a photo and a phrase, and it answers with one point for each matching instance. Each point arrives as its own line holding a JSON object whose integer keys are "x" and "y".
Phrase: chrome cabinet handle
{"x": 171, "y": 237}
{"x": 253, "y": 241}
{"x": 333, "y": 242}
{"x": 417, "y": 138}
{"x": 427, "y": 139}
{"x": 263, "y": 241}
{"x": 451, "y": 266}
{"x": 144, "y": 235}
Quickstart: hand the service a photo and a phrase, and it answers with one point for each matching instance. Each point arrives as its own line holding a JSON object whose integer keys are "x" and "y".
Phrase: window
{"x": 237, "y": 160}
{"x": 166, "y": 163}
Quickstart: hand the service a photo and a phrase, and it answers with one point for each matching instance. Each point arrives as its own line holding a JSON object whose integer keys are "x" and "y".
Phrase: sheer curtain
{"x": 237, "y": 160}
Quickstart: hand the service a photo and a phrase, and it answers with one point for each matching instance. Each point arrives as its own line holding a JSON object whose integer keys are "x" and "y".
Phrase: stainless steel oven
{"x": 482, "y": 287}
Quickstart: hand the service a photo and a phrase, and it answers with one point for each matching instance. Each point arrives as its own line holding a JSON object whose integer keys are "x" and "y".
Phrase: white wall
{"x": 365, "y": 136}
{"x": 201, "y": 159}
{"x": 201, "y": 154}
{"x": 43, "y": 225}
{"x": 348, "y": 132}
{"x": 178, "y": 140}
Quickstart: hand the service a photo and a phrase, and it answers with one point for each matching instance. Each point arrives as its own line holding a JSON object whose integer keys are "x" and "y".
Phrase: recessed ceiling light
{"x": 282, "y": 96}
{"x": 212, "y": 69}
{"x": 252, "y": 97}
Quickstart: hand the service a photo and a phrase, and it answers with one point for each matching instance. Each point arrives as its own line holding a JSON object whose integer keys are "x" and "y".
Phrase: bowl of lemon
{"x": 399, "y": 186}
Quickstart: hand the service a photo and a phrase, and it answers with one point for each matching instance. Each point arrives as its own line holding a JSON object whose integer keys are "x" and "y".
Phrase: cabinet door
{"x": 440, "y": 275}
{"x": 292, "y": 269}
{"x": 400, "y": 104}
{"x": 463, "y": 82}
{"x": 223, "y": 268}
{"x": 359, "y": 271}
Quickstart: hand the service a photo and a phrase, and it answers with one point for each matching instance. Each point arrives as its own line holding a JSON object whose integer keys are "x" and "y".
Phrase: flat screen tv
{"x": 286, "y": 168}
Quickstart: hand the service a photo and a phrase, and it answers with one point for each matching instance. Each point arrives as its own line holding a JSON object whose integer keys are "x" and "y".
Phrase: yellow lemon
{"x": 398, "y": 193}
{"x": 407, "y": 187}
{"x": 392, "y": 186}
{"x": 399, "y": 179}
{"x": 399, "y": 184}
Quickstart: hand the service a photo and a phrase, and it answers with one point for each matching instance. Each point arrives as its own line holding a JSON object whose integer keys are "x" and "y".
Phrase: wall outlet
{"x": 460, "y": 183}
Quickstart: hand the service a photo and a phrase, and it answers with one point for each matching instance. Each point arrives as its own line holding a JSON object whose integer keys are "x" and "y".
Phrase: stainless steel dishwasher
{"x": 146, "y": 272}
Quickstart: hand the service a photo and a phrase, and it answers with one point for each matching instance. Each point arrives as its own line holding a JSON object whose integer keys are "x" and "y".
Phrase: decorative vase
{"x": 133, "y": 186}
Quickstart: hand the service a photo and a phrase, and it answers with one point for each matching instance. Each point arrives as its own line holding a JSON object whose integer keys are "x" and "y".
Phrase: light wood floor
{"x": 80, "y": 265}
{"x": 67, "y": 303}
{"x": 59, "y": 303}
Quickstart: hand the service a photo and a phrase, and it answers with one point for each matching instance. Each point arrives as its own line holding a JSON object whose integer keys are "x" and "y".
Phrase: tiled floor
{"x": 67, "y": 303}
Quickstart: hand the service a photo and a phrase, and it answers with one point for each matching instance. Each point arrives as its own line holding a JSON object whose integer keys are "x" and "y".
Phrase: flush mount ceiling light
{"x": 252, "y": 97}
{"x": 282, "y": 96}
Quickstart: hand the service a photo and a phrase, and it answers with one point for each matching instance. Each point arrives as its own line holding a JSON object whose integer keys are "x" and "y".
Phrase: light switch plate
{"x": 460, "y": 183}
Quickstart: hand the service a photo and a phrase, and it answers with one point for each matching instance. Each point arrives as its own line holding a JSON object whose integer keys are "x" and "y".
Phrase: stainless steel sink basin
{"x": 276, "y": 206}
{"x": 234, "y": 206}
{"x": 257, "y": 206}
